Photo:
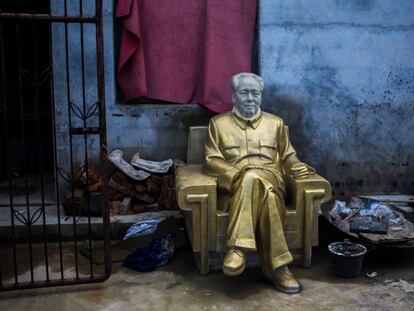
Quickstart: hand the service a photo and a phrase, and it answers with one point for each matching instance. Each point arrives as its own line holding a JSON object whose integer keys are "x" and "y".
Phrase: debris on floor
{"x": 149, "y": 258}
{"x": 402, "y": 284}
{"x": 374, "y": 221}
{"x": 140, "y": 235}
{"x": 373, "y": 275}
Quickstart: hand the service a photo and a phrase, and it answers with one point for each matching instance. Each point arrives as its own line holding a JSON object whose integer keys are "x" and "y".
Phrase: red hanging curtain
{"x": 185, "y": 51}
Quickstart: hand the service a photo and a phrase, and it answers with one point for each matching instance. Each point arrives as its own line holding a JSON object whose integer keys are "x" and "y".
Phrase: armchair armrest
{"x": 312, "y": 184}
{"x": 308, "y": 194}
{"x": 197, "y": 198}
{"x": 190, "y": 179}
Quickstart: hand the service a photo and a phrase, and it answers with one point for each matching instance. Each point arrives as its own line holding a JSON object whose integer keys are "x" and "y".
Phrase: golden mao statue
{"x": 250, "y": 153}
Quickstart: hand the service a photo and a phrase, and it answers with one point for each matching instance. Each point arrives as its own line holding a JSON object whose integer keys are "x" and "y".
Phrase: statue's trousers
{"x": 256, "y": 214}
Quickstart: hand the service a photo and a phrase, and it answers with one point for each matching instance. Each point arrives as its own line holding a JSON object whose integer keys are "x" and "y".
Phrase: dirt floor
{"x": 178, "y": 286}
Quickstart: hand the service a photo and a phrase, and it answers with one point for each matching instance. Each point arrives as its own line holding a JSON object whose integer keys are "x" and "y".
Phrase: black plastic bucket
{"x": 347, "y": 258}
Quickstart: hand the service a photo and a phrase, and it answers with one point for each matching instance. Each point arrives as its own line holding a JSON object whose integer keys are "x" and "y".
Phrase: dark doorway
{"x": 26, "y": 100}
{"x": 33, "y": 189}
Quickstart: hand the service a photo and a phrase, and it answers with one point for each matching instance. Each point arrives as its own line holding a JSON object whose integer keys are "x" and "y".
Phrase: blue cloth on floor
{"x": 149, "y": 258}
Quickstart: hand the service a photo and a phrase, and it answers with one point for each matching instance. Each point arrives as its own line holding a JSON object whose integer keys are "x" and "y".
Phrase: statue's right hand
{"x": 299, "y": 170}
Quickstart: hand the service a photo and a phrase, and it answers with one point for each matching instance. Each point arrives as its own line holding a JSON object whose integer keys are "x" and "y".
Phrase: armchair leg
{"x": 200, "y": 219}
{"x": 310, "y": 214}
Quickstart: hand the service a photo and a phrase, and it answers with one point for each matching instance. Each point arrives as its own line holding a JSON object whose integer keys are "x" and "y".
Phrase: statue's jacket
{"x": 234, "y": 145}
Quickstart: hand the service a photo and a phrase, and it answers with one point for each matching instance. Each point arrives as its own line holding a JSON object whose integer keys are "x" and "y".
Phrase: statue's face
{"x": 248, "y": 97}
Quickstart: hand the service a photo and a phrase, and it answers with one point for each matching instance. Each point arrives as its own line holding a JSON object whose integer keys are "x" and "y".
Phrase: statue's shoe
{"x": 234, "y": 262}
{"x": 284, "y": 280}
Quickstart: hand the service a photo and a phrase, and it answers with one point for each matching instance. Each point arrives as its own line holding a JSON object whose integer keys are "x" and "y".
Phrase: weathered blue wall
{"x": 341, "y": 73}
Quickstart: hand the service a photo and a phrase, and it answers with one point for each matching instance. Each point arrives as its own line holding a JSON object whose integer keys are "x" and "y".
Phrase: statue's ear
{"x": 233, "y": 98}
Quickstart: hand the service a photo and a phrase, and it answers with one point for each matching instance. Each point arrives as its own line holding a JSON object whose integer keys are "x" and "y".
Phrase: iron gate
{"x": 53, "y": 157}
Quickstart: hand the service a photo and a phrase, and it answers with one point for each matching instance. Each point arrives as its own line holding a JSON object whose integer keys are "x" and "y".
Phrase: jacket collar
{"x": 242, "y": 122}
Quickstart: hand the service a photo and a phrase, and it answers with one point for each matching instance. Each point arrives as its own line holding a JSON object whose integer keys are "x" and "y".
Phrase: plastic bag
{"x": 378, "y": 210}
{"x": 149, "y": 258}
{"x": 341, "y": 209}
{"x": 142, "y": 228}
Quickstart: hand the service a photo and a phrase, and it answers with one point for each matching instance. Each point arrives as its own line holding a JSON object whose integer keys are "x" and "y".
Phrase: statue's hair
{"x": 235, "y": 80}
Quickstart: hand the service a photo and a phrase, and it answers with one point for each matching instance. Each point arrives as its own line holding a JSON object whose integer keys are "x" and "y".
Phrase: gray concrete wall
{"x": 341, "y": 73}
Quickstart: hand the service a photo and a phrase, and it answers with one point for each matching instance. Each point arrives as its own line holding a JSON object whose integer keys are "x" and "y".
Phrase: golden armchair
{"x": 206, "y": 224}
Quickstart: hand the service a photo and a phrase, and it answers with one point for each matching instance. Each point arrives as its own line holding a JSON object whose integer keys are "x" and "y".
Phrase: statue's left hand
{"x": 299, "y": 170}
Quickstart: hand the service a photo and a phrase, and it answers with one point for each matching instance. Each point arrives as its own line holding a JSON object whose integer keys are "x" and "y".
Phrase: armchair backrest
{"x": 196, "y": 138}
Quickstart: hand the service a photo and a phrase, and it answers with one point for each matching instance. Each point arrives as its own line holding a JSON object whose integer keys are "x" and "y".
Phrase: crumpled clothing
{"x": 151, "y": 257}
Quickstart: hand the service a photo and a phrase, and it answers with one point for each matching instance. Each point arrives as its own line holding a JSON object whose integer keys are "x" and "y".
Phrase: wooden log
{"x": 125, "y": 205}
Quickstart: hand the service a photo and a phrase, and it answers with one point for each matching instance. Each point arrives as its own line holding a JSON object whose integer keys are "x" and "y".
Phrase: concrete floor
{"x": 178, "y": 286}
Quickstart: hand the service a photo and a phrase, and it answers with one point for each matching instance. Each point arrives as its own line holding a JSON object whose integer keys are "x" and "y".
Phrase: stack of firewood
{"x": 83, "y": 193}
{"x": 128, "y": 196}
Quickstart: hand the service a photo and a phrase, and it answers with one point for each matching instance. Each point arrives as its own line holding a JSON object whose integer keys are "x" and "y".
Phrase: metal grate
{"x": 39, "y": 244}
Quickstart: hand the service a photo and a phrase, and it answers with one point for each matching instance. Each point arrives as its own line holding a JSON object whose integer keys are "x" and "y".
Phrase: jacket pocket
{"x": 268, "y": 147}
{"x": 230, "y": 150}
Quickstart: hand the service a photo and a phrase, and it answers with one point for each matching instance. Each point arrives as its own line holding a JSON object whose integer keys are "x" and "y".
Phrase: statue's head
{"x": 247, "y": 93}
